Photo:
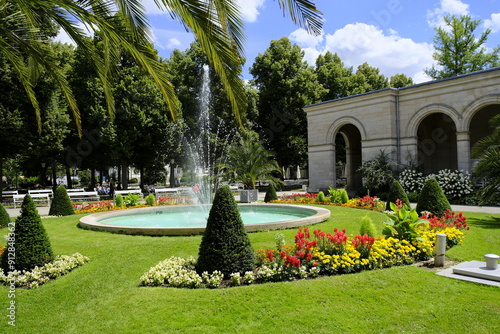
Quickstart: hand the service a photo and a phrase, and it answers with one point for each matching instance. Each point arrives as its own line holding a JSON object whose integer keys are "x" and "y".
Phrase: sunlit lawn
{"x": 103, "y": 296}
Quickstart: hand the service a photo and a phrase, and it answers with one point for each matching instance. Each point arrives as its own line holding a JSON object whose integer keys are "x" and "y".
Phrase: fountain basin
{"x": 191, "y": 219}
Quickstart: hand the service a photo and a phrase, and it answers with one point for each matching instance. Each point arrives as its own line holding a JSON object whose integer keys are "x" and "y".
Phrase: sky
{"x": 395, "y": 36}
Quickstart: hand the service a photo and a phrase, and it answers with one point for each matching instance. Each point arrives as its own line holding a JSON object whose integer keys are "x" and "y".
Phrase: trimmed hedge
{"x": 270, "y": 194}
{"x": 31, "y": 242}
{"x": 61, "y": 204}
{"x": 397, "y": 192}
{"x": 432, "y": 198}
{"x": 225, "y": 245}
{"x": 4, "y": 217}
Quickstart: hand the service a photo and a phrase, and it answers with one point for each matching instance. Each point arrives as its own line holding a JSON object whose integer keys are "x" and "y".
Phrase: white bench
{"x": 9, "y": 194}
{"x": 41, "y": 191}
{"x": 75, "y": 190}
{"x": 36, "y": 198}
{"x": 84, "y": 196}
{"x": 129, "y": 191}
{"x": 166, "y": 192}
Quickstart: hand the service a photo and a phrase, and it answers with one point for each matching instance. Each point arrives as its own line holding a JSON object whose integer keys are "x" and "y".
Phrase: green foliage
{"x": 132, "y": 200}
{"x": 61, "y": 204}
{"x": 225, "y": 245}
{"x": 119, "y": 201}
{"x": 397, "y": 192}
{"x": 334, "y": 195}
{"x": 4, "y": 217}
{"x": 400, "y": 80}
{"x": 458, "y": 50}
{"x": 432, "y": 198}
{"x": 270, "y": 194}
{"x": 31, "y": 241}
{"x": 402, "y": 224}
{"x": 344, "y": 197}
{"x": 150, "y": 200}
{"x": 368, "y": 227}
{"x": 321, "y": 197}
{"x": 487, "y": 151}
{"x": 378, "y": 173}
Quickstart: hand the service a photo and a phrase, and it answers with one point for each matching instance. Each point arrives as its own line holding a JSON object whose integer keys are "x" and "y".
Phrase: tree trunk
{"x": 119, "y": 177}
{"x": 92, "y": 179}
{"x": 124, "y": 175}
{"x": 141, "y": 183}
{"x": 1, "y": 177}
{"x": 54, "y": 176}
{"x": 69, "y": 180}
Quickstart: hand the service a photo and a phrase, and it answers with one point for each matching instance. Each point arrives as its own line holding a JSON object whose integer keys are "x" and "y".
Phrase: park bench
{"x": 41, "y": 191}
{"x": 75, "y": 190}
{"x": 76, "y": 196}
{"x": 9, "y": 194}
{"x": 166, "y": 192}
{"x": 41, "y": 197}
{"x": 129, "y": 191}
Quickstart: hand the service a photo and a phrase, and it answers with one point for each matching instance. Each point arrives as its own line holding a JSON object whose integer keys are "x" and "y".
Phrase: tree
{"x": 270, "y": 194}
{"x": 286, "y": 83}
{"x": 4, "y": 216}
{"x": 432, "y": 199}
{"x": 332, "y": 74}
{"x": 248, "y": 162}
{"x": 487, "y": 151}
{"x": 458, "y": 50}
{"x": 61, "y": 204}
{"x": 378, "y": 174}
{"x": 367, "y": 79}
{"x": 396, "y": 192}
{"x": 225, "y": 245}
{"x": 400, "y": 80}
{"x": 216, "y": 24}
{"x": 32, "y": 242}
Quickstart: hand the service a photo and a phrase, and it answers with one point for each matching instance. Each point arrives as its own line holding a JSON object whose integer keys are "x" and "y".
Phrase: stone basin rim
{"x": 91, "y": 222}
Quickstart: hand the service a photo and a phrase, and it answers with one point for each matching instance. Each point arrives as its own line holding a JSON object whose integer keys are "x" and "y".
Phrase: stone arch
{"x": 472, "y": 108}
{"x": 334, "y": 128}
{"x": 422, "y": 113}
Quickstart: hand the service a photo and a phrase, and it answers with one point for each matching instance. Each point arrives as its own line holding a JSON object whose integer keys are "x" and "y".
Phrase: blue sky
{"x": 393, "y": 35}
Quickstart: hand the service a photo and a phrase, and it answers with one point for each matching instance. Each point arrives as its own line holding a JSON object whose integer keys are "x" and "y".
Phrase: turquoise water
{"x": 192, "y": 217}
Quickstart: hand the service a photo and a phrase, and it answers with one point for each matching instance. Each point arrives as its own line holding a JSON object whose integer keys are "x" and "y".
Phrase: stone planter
{"x": 249, "y": 196}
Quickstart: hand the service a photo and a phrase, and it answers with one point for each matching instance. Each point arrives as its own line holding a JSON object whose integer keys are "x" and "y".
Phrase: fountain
{"x": 191, "y": 219}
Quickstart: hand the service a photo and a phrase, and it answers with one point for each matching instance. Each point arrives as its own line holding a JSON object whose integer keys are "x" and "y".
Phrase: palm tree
{"x": 216, "y": 24}
{"x": 487, "y": 150}
{"x": 248, "y": 162}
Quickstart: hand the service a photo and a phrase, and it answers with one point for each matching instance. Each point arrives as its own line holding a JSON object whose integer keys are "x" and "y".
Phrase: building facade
{"x": 432, "y": 125}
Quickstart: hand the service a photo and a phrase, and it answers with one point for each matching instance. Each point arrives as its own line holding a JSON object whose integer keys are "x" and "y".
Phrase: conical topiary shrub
{"x": 31, "y": 242}
{"x": 397, "y": 192}
{"x": 225, "y": 245}
{"x": 270, "y": 194}
{"x": 432, "y": 198}
{"x": 4, "y": 217}
{"x": 61, "y": 204}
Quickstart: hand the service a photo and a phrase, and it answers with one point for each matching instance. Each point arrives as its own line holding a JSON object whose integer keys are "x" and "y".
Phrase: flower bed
{"x": 319, "y": 253}
{"x": 62, "y": 265}
{"x": 366, "y": 202}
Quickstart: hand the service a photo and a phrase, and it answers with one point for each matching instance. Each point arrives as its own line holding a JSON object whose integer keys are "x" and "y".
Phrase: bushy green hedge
{"x": 4, "y": 217}
{"x": 397, "y": 192}
{"x": 31, "y": 242}
{"x": 432, "y": 198}
{"x": 270, "y": 194}
{"x": 61, "y": 204}
{"x": 119, "y": 201}
{"x": 225, "y": 245}
{"x": 368, "y": 227}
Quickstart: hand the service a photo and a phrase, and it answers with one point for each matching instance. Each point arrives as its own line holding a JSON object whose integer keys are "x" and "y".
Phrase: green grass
{"x": 103, "y": 296}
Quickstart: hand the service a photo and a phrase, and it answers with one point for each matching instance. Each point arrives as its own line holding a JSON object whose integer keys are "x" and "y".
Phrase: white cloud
{"x": 305, "y": 39}
{"x": 493, "y": 23}
{"x": 171, "y": 39}
{"x": 250, "y": 9}
{"x": 446, "y": 7}
{"x": 358, "y": 43}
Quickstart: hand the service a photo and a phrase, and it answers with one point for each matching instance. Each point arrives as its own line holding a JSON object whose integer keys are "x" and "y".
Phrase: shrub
{"x": 432, "y": 198}
{"x": 32, "y": 243}
{"x": 455, "y": 184}
{"x": 119, "y": 201}
{"x": 397, "y": 192}
{"x": 368, "y": 227}
{"x": 132, "y": 200}
{"x": 270, "y": 194}
{"x": 4, "y": 217}
{"x": 150, "y": 199}
{"x": 225, "y": 245}
{"x": 321, "y": 197}
{"x": 344, "y": 197}
{"x": 335, "y": 196}
{"x": 411, "y": 180}
{"x": 61, "y": 204}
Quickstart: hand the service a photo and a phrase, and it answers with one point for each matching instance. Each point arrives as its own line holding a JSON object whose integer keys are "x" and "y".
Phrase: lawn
{"x": 103, "y": 296}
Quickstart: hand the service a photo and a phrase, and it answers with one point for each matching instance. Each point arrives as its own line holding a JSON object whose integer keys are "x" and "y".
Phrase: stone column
{"x": 463, "y": 151}
{"x": 321, "y": 167}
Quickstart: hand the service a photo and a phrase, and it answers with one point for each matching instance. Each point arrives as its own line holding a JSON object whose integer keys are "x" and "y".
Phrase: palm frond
{"x": 303, "y": 13}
